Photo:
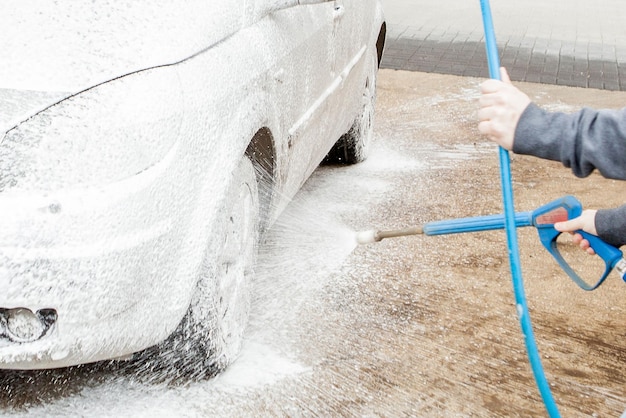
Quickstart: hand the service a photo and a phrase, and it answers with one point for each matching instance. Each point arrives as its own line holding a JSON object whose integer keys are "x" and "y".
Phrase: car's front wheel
{"x": 209, "y": 337}
{"x": 218, "y": 316}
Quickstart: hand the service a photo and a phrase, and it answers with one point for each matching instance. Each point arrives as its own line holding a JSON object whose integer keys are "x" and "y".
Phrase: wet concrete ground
{"x": 415, "y": 326}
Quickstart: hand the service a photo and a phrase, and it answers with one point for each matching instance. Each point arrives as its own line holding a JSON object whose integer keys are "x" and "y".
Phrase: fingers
{"x": 491, "y": 111}
{"x": 586, "y": 222}
{"x": 496, "y": 126}
{"x": 500, "y": 106}
{"x": 583, "y": 244}
{"x": 485, "y": 127}
{"x": 504, "y": 75}
{"x": 577, "y": 239}
{"x": 488, "y": 129}
{"x": 570, "y": 226}
{"x": 494, "y": 131}
{"x": 492, "y": 85}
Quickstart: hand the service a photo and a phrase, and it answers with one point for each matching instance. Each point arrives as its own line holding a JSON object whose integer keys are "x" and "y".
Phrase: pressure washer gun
{"x": 542, "y": 218}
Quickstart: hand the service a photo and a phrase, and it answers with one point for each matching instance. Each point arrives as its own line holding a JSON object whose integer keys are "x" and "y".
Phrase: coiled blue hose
{"x": 511, "y": 232}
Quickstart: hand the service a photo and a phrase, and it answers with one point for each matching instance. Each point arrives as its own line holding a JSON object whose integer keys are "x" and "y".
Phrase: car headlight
{"x": 101, "y": 135}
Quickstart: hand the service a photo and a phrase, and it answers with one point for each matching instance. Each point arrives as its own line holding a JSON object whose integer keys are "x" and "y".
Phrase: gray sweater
{"x": 583, "y": 141}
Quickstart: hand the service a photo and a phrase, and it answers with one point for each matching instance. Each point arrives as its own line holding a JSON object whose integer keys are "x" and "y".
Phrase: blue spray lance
{"x": 542, "y": 218}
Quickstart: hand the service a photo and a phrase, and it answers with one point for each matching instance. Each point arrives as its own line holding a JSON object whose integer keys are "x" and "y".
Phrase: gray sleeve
{"x": 583, "y": 141}
{"x": 611, "y": 225}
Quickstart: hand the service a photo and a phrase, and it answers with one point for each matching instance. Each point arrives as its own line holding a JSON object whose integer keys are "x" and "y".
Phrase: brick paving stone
{"x": 565, "y": 42}
{"x": 448, "y": 51}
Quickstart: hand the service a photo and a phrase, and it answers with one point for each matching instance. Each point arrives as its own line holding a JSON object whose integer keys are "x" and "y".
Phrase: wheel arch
{"x": 380, "y": 42}
{"x": 262, "y": 152}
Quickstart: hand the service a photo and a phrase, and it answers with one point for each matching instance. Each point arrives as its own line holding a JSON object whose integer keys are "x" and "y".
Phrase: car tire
{"x": 209, "y": 337}
{"x": 354, "y": 146}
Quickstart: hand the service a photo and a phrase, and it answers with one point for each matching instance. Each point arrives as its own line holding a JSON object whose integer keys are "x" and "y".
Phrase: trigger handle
{"x": 609, "y": 254}
{"x": 562, "y": 209}
{"x": 548, "y": 236}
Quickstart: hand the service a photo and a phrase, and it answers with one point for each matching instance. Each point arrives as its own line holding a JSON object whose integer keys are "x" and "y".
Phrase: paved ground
{"x": 408, "y": 327}
{"x": 565, "y": 42}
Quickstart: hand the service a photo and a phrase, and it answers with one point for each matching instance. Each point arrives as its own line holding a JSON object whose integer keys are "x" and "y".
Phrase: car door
{"x": 353, "y": 26}
{"x": 297, "y": 47}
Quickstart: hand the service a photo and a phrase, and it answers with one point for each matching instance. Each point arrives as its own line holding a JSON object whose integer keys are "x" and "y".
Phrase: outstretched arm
{"x": 583, "y": 141}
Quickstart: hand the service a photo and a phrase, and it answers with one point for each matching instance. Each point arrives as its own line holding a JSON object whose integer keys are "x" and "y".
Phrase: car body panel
{"x": 115, "y": 239}
{"x": 71, "y": 46}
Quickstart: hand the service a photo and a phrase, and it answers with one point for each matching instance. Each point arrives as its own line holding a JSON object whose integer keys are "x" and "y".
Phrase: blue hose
{"x": 511, "y": 231}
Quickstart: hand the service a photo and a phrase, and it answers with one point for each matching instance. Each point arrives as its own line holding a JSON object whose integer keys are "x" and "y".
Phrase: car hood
{"x": 69, "y": 46}
{"x": 51, "y": 50}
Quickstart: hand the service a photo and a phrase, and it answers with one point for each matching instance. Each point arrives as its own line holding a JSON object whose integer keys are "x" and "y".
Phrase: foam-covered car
{"x": 144, "y": 146}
